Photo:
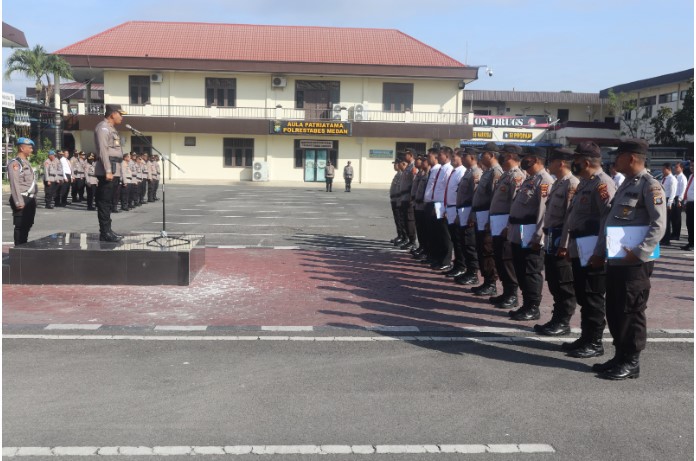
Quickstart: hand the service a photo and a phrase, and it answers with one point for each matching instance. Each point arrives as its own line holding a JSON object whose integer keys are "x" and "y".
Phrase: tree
{"x": 683, "y": 119}
{"x": 622, "y": 105}
{"x": 663, "y": 125}
{"x": 37, "y": 64}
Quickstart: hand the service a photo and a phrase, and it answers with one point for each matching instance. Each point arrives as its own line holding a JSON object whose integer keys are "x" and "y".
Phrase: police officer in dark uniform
{"x": 526, "y": 233}
{"x": 107, "y": 169}
{"x": 639, "y": 202}
{"x": 480, "y": 207}
{"x": 559, "y": 272}
{"x": 393, "y": 199}
{"x": 467, "y": 233}
{"x": 582, "y": 228}
{"x": 419, "y": 182}
{"x": 404, "y": 203}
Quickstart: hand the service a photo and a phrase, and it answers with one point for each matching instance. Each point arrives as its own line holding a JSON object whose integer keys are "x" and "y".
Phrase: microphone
{"x": 133, "y": 130}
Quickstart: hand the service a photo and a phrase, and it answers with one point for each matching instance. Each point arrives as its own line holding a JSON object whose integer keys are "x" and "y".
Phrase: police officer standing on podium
{"x": 639, "y": 202}
{"x": 107, "y": 168}
{"x": 22, "y": 190}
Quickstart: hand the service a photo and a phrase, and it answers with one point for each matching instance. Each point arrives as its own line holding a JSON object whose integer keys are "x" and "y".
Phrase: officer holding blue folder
{"x": 639, "y": 207}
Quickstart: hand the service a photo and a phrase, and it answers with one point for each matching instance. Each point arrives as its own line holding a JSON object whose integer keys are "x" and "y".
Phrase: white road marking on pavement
{"x": 286, "y": 328}
{"x": 288, "y": 247}
{"x": 181, "y": 327}
{"x": 73, "y": 326}
{"x": 526, "y": 448}
{"x": 367, "y": 339}
{"x": 178, "y": 223}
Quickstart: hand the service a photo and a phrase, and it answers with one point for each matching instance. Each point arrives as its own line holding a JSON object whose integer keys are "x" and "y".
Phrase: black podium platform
{"x": 69, "y": 258}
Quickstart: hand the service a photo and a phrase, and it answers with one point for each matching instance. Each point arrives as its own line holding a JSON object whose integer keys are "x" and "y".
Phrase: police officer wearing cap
{"x": 639, "y": 202}
{"x": 480, "y": 207}
{"x": 90, "y": 181}
{"x": 440, "y": 238}
{"x": 393, "y": 198}
{"x": 451, "y": 193}
{"x": 526, "y": 233}
{"x": 107, "y": 169}
{"x": 581, "y": 230}
{"x": 420, "y": 182}
{"x": 558, "y": 270}
{"x": 429, "y": 205}
{"x": 23, "y": 190}
{"x": 404, "y": 203}
{"x": 466, "y": 229}
{"x": 503, "y": 196}
{"x": 50, "y": 179}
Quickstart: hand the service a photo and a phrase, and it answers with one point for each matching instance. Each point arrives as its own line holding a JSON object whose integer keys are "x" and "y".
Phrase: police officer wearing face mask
{"x": 526, "y": 234}
{"x": 581, "y": 235}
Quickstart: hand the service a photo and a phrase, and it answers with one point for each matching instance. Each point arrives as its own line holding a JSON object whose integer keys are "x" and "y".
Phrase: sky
{"x": 575, "y": 45}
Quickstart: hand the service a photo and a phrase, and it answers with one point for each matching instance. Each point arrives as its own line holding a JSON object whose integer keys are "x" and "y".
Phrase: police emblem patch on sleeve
{"x": 15, "y": 166}
{"x": 603, "y": 191}
{"x": 657, "y": 199}
{"x": 544, "y": 190}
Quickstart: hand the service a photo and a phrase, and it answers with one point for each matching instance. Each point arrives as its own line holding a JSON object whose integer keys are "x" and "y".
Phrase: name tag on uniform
{"x": 619, "y": 237}
{"x": 463, "y": 214}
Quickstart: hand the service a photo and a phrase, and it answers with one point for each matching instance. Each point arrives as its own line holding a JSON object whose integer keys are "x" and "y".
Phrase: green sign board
{"x": 376, "y": 153}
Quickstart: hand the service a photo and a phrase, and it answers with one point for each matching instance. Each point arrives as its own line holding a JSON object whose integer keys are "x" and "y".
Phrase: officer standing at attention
{"x": 480, "y": 206}
{"x": 155, "y": 178}
{"x": 404, "y": 203}
{"x": 50, "y": 178}
{"x": 126, "y": 182}
{"x": 440, "y": 238}
{"x": 503, "y": 195}
{"x": 429, "y": 204}
{"x": 23, "y": 190}
{"x": 466, "y": 229}
{"x": 107, "y": 168}
{"x": 526, "y": 233}
{"x": 640, "y": 201}
{"x": 559, "y": 273}
{"x": 582, "y": 226}
{"x": 348, "y": 175}
{"x": 90, "y": 181}
{"x": 453, "y": 184}
{"x": 59, "y": 179}
{"x": 420, "y": 181}
{"x": 329, "y": 172}
{"x": 394, "y": 197}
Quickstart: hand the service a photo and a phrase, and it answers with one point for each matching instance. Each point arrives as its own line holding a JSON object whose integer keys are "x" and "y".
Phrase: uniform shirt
{"x": 420, "y": 190}
{"x": 430, "y": 185}
{"x": 669, "y": 183}
{"x": 89, "y": 172}
{"x": 618, "y": 179}
{"x": 348, "y": 171}
{"x": 329, "y": 171}
{"x": 416, "y": 181}
{"x": 59, "y": 169}
{"x": 528, "y": 207}
{"x": 76, "y": 167}
{"x": 406, "y": 183}
{"x": 109, "y": 150}
{"x": 557, "y": 204}
{"x": 48, "y": 174}
{"x": 681, "y": 185}
{"x": 587, "y": 207}
{"x": 157, "y": 171}
{"x": 66, "y": 168}
{"x": 126, "y": 173}
{"x": 394, "y": 188}
{"x": 453, "y": 184}
{"x": 640, "y": 201}
{"x": 468, "y": 185}
{"x": 22, "y": 180}
{"x": 690, "y": 190}
{"x": 438, "y": 194}
{"x": 505, "y": 191}
{"x": 484, "y": 192}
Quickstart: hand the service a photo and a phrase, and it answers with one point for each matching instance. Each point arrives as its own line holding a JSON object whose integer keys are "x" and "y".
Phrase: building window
{"x": 189, "y": 140}
{"x": 649, "y": 101}
{"x": 668, "y": 97}
{"x": 221, "y": 92}
{"x": 416, "y": 147}
{"x": 397, "y": 97}
{"x": 482, "y": 112}
{"x": 139, "y": 89}
{"x": 139, "y": 146}
{"x": 238, "y": 152}
{"x": 563, "y": 115}
{"x": 682, "y": 94}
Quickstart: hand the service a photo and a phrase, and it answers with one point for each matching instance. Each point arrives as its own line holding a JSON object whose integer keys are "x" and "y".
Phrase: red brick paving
{"x": 319, "y": 288}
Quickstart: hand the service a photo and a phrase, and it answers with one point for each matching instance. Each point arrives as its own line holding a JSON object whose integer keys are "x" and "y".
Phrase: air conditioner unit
{"x": 259, "y": 171}
{"x": 279, "y": 82}
{"x": 336, "y": 112}
{"x": 359, "y": 112}
{"x": 155, "y": 78}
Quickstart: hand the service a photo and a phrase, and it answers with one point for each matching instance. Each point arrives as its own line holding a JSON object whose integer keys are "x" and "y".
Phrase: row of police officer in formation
{"x": 76, "y": 174}
{"x": 503, "y": 213}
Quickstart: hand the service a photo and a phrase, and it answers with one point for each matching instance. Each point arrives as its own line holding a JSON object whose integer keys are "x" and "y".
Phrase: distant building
{"x": 243, "y": 102}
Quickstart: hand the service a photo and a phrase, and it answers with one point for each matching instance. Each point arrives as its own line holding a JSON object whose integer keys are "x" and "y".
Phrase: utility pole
{"x": 57, "y": 118}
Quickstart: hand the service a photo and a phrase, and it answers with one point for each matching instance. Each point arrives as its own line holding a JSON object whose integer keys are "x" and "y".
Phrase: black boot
{"x": 468, "y": 278}
{"x": 601, "y": 367}
{"x": 553, "y": 328}
{"x": 627, "y": 367}
{"x": 569, "y": 346}
{"x": 487, "y": 289}
{"x": 525, "y": 313}
{"x": 508, "y": 302}
{"x": 590, "y": 348}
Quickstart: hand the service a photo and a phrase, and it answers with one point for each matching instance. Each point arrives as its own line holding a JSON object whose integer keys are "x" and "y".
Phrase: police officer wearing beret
{"x": 640, "y": 201}
{"x": 558, "y": 270}
{"x": 526, "y": 233}
{"x": 591, "y": 200}
{"x": 23, "y": 190}
{"x": 107, "y": 169}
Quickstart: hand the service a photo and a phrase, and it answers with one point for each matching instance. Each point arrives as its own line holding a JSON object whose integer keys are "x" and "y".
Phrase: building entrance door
{"x": 315, "y": 162}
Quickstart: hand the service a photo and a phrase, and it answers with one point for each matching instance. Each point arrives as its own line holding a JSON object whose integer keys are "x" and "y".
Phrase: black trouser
{"x": 77, "y": 190}
{"x": 408, "y": 220}
{"x": 668, "y": 227}
{"x": 57, "y": 193}
{"x": 151, "y": 190}
{"x": 107, "y": 191}
{"x": 676, "y": 220}
{"x": 467, "y": 242}
{"x": 155, "y": 186}
{"x": 50, "y": 192}
{"x": 559, "y": 277}
{"x": 441, "y": 242}
{"x": 502, "y": 254}
{"x": 400, "y": 233}
{"x": 143, "y": 191}
{"x": 590, "y": 287}
{"x": 132, "y": 193}
{"x": 348, "y": 181}
{"x": 627, "y": 299}
{"x": 64, "y": 189}
{"x": 91, "y": 190}
{"x": 329, "y": 184}
{"x": 116, "y": 194}
{"x": 528, "y": 265}
{"x": 484, "y": 249}
{"x": 453, "y": 230}
{"x": 419, "y": 217}
{"x": 689, "y": 210}
{"x": 23, "y": 219}
{"x": 124, "y": 194}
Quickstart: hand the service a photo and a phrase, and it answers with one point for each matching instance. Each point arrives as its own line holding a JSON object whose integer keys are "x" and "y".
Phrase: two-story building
{"x": 242, "y": 102}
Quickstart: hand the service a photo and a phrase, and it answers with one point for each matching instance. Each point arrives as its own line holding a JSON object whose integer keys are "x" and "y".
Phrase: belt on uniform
{"x": 27, "y": 194}
{"x": 116, "y": 159}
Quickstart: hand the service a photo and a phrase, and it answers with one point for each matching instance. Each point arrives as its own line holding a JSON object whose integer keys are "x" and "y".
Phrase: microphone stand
{"x": 163, "y": 240}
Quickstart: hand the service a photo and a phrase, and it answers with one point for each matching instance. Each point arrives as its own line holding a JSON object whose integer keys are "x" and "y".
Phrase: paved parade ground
{"x": 306, "y": 328}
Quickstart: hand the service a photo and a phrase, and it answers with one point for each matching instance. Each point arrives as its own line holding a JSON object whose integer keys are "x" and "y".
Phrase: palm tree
{"x": 36, "y": 63}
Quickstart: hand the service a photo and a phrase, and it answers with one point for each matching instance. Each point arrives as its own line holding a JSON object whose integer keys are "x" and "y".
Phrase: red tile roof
{"x": 240, "y": 42}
